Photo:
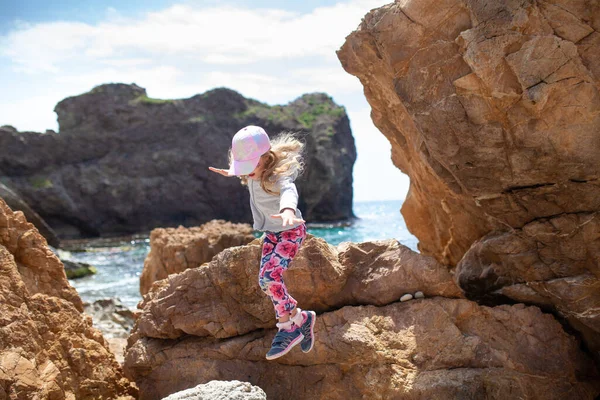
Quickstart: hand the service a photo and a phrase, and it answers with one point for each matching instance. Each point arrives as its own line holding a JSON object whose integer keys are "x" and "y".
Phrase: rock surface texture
{"x": 220, "y": 390}
{"x": 214, "y": 323}
{"x": 173, "y": 250}
{"x": 223, "y": 298}
{"x": 125, "y": 163}
{"x": 493, "y": 110}
{"x": 48, "y": 348}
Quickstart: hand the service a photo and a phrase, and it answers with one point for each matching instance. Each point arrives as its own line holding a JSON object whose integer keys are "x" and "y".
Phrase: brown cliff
{"x": 48, "y": 348}
{"x": 493, "y": 110}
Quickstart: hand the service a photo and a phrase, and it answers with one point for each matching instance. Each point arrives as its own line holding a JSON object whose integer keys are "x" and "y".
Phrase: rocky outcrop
{"x": 223, "y": 298}
{"x": 479, "y": 100}
{"x": 39, "y": 269}
{"x": 126, "y": 163}
{"x": 173, "y": 250}
{"x": 48, "y": 348}
{"x": 552, "y": 263}
{"x": 493, "y": 109}
{"x": 425, "y": 349}
{"x": 218, "y": 390}
{"x": 214, "y": 323}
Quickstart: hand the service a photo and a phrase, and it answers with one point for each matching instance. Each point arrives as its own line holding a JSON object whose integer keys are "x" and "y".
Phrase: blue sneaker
{"x": 307, "y": 329}
{"x": 283, "y": 341}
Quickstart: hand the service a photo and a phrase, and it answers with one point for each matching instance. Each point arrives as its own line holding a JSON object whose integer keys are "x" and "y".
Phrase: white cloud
{"x": 162, "y": 77}
{"x": 215, "y": 35}
{"x": 331, "y": 79}
{"x": 41, "y": 47}
{"x": 284, "y": 86}
{"x": 127, "y": 62}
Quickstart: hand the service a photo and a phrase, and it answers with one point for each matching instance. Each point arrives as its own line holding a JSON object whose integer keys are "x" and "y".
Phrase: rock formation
{"x": 173, "y": 250}
{"x": 493, "y": 110}
{"x": 223, "y": 299}
{"x": 126, "y": 163}
{"x": 205, "y": 324}
{"x": 48, "y": 348}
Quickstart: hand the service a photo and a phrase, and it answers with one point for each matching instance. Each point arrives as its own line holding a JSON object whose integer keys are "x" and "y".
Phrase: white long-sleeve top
{"x": 263, "y": 204}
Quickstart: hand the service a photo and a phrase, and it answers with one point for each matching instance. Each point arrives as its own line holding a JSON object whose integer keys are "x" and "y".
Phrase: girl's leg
{"x": 278, "y": 251}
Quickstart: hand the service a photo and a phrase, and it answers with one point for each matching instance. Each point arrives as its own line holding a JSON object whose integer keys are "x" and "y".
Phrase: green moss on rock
{"x": 75, "y": 270}
{"x": 199, "y": 118}
{"x": 305, "y": 110}
{"x": 316, "y": 109}
{"x": 40, "y": 182}
{"x": 149, "y": 100}
{"x": 275, "y": 114}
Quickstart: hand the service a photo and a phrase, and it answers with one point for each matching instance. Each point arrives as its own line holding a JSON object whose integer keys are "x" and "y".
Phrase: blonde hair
{"x": 282, "y": 160}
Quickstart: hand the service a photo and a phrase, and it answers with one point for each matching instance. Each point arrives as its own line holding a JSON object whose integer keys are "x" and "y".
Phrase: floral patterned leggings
{"x": 278, "y": 250}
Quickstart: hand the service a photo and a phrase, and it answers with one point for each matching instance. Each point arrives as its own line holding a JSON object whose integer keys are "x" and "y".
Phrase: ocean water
{"x": 119, "y": 264}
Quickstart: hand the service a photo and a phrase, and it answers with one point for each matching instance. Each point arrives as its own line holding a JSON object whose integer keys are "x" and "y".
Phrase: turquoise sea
{"x": 120, "y": 263}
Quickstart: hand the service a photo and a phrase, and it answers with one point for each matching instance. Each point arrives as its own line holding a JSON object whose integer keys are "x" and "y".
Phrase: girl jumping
{"x": 269, "y": 170}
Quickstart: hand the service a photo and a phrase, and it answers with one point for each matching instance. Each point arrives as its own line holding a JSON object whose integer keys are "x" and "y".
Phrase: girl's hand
{"x": 224, "y": 172}
{"x": 288, "y": 217}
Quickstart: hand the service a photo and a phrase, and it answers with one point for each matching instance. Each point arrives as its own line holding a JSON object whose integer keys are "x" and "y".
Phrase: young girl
{"x": 269, "y": 169}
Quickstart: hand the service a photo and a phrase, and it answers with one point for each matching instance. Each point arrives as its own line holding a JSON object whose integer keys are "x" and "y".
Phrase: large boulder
{"x": 553, "y": 263}
{"x": 48, "y": 348}
{"x": 126, "y": 163}
{"x": 223, "y": 298}
{"x": 214, "y": 323}
{"x": 425, "y": 349}
{"x": 173, "y": 250}
{"x": 493, "y": 110}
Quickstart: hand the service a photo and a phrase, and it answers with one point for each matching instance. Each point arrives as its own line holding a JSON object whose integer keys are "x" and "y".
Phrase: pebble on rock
{"x": 406, "y": 297}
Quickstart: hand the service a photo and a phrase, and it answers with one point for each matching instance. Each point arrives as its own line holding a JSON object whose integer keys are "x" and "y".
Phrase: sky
{"x": 271, "y": 51}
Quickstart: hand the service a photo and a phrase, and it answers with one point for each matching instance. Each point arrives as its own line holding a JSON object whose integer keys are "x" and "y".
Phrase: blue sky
{"x": 273, "y": 51}
{"x": 92, "y": 11}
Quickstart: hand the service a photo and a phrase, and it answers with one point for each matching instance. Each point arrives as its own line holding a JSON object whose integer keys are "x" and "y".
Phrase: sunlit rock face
{"x": 428, "y": 349}
{"x": 173, "y": 250}
{"x": 125, "y": 163}
{"x": 223, "y": 299}
{"x": 214, "y": 323}
{"x": 493, "y": 110}
{"x": 48, "y": 348}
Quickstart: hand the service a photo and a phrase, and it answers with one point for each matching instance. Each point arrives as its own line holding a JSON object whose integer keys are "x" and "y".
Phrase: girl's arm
{"x": 288, "y": 201}
{"x": 288, "y": 217}
{"x": 224, "y": 172}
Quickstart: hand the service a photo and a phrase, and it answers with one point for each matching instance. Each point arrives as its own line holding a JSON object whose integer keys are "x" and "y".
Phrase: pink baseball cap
{"x": 247, "y": 146}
